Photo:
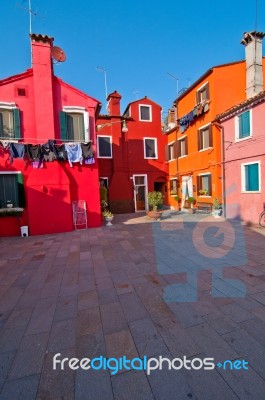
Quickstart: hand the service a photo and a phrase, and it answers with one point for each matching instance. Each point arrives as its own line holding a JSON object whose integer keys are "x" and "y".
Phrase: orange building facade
{"x": 194, "y": 146}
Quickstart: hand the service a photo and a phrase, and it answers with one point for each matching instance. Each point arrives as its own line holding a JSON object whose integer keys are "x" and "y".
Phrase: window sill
{"x": 251, "y": 192}
{"x": 204, "y": 196}
{"x": 238, "y": 140}
{"x": 206, "y": 148}
{"x": 183, "y": 156}
{"x": 11, "y": 212}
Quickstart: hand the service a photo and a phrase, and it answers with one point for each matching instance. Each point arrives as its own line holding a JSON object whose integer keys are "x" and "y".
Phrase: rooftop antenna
{"x": 176, "y": 79}
{"x": 31, "y": 14}
{"x": 102, "y": 69}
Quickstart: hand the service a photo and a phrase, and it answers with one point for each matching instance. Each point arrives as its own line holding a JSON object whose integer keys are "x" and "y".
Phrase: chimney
{"x": 114, "y": 100}
{"x": 43, "y": 85}
{"x": 254, "y": 73}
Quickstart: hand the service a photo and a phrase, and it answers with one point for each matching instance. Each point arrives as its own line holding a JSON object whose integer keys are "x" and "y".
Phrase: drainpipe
{"x": 220, "y": 126}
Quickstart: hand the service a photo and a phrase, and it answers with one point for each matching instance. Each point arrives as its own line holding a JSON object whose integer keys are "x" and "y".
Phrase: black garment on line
{"x": 87, "y": 150}
{"x": 60, "y": 152}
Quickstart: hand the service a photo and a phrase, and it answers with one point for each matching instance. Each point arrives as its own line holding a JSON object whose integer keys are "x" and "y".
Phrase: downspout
{"x": 220, "y": 126}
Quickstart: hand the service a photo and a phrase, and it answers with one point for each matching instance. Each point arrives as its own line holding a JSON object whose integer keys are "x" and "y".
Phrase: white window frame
{"x": 200, "y": 89}
{"x": 173, "y": 179}
{"x": 183, "y": 138}
{"x": 169, "y": 145}
{"x": 243, "y": 177}
{"x": 9, "y": 107}
{"x": 150, "y": 109}
{"x": 237, "y": 138}
{"x": 204, "y": 195}
{"x": 156, "y": 153}
{"x": 145, "y": 184}
{"x": 80, "y": 110}
{"x": 107, "y": 136}
{"x": 202, "y": 128}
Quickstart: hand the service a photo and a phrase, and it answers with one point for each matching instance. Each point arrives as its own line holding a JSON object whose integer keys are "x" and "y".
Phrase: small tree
{"x": 155, "y": 199}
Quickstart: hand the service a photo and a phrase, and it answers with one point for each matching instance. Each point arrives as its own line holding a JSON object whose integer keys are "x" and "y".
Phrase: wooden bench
{"x": 204, "y": 207}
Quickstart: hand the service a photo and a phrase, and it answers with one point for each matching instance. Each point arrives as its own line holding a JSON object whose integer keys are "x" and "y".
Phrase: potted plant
{"x": 108, "y": 217}
{"x": 155, "y": 199}
{"x": 191, "y": 201}
{"x": 107, "y": 214}
{"x": 9, "y": 204}
{"x": 178, "y": 200}
{"x": 217, "y": 208}
{"x": 203, "y": 192}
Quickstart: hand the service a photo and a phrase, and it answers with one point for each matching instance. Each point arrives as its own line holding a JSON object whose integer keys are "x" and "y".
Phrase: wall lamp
{"x": 124, "y": 126}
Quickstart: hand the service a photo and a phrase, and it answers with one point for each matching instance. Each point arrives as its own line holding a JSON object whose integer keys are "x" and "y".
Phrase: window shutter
{"x": 252, "y": 177}
{"x": 210, "y": 136}
{"x": 199, "y": 183}
{"x": 16, "y": 123}
{"x": 186, "y": 145}
{"x": 177, "y": 148}
{"x": 245, "y": 124}
{"x": 199, "y": 140}
{"x": 207, "y": 92}
{"x": 210, "y": 184}
{"x": 63, "y": 125}
{"x": 21, "y": 191}
{"x": 1, "y": 125}
{"x": 167, "y": 152}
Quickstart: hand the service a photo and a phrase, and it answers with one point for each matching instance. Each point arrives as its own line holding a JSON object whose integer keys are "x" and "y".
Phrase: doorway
{"x": 140, "y": 192}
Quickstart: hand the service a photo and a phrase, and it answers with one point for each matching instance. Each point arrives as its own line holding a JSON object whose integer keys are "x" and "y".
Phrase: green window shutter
{"x": 21, "y": 191}
{"x": 16, "y": 122}
{"x": 63, "y": 125}
{"x": 244, "y": 125}
{"x": 252, "y": 177}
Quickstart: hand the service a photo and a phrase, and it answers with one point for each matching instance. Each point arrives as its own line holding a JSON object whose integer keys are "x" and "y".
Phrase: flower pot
{"x": 9, "y": 205}
{"x": 154, "y": 214}
{"x": 108, "y": 220}
{"x": 216, "y": 213}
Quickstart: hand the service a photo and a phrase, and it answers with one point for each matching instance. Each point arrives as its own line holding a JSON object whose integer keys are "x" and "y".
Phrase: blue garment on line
{"x": 74, "y": 153}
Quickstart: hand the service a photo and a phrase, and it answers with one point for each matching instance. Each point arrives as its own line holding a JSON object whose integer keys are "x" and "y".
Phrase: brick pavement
{"x": 99, "y": 292}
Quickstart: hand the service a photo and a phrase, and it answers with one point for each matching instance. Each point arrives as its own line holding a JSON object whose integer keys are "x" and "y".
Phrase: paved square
{"x": 126, "y": 291}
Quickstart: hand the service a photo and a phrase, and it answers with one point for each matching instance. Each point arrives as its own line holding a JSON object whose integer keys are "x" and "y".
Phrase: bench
{"x": 204, "y": 207}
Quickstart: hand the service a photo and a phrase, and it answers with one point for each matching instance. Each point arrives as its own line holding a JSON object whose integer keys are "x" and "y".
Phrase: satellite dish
{"x": 58, "y": 54}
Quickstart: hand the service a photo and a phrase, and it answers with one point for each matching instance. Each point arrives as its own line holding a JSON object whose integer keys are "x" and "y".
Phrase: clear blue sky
{"x": 137, "y": 42}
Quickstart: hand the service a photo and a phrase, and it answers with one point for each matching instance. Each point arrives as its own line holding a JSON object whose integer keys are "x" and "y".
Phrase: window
{"x": 104, "y": 146}
{"x": 202, "y": 93}
{"x": 9, "y": 121}
{"x": 171, "y": 151}
{"x": 205, "y": 138}
{"x": 150, "y": 148}
{"x": 74, "y": 123}
{"x": 243, "y": 125}
{"x": 183, "y": 147}
{"x": 204, "y": 184}
{"x": 173, "y": 186}
{"x": 250, "y": 175}
{"x": 12, "y": 188}
{"x": 145, "y": 113}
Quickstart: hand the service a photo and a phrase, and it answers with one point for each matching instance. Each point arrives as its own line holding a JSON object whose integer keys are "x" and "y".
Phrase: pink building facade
{"x": 243, "y": 131}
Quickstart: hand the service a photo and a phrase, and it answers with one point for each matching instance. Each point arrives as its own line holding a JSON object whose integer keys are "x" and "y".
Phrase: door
{"x": 140, "y": 192}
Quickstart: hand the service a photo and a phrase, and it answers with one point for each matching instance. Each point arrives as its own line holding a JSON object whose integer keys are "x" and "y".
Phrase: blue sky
{"x": 139, "y": 43}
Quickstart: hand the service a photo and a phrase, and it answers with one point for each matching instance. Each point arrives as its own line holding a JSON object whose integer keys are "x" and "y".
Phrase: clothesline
{"x": 16, "y": 140}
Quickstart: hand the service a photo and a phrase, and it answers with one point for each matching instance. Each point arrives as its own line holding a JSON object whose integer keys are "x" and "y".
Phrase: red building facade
{"x": 131, "y": 153}
{"x": 36, "y": 106}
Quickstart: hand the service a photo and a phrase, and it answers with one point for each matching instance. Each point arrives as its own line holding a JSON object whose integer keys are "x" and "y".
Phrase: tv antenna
{"x": 102, "y": 69}
{"x": 176, "y": 79}
{"x": 31, "y": 14}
